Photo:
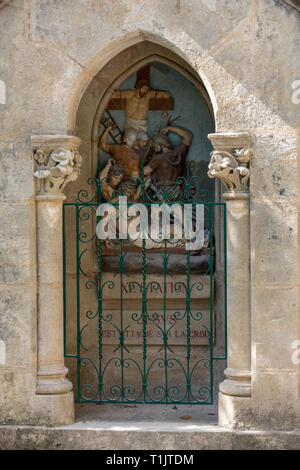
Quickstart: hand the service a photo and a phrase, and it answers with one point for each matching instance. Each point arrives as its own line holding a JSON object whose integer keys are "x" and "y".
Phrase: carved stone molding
{"x": 237, "y": 383}
{"x": 57, "y": 162}
{"x": 230, "y": 160}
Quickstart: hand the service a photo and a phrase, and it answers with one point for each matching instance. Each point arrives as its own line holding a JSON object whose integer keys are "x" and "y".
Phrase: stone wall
{"x": 246, "y": 53}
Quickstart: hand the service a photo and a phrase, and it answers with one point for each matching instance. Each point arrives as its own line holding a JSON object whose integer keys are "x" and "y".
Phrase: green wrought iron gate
{"x": 143, "y": 318}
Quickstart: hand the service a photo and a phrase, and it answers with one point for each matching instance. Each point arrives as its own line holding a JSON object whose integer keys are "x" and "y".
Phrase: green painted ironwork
{"x": 193, "y": 360}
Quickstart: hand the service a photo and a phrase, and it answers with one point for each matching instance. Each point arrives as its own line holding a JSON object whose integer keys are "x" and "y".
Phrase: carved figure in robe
{"x": 168, "y": 163}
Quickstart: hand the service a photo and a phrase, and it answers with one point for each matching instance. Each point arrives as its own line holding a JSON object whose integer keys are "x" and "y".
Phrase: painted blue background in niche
{"x": 188, "y": 103}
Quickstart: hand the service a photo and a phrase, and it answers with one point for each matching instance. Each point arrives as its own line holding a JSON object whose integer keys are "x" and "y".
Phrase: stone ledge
{"x": 141, "y": 436}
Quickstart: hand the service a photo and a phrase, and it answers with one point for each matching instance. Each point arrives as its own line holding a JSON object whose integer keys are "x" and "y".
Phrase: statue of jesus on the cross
{"x": 137, "y": 103}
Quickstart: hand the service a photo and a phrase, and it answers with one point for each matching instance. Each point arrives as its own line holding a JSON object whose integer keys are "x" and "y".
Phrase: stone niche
{"x": 122, "y": 304}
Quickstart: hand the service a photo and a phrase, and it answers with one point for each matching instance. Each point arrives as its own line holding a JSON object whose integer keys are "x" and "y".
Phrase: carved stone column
{"x": 230, "y": 163}
{"x": 57, "y": 162}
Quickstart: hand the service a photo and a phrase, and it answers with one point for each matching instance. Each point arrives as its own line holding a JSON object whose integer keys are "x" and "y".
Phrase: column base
{"x": 55, "y": 410}
{"x": 235, "y": 412}
{"x": 237, "y": 383}
{"x": 234, "y": 399}
{"x": 52, "y": 382}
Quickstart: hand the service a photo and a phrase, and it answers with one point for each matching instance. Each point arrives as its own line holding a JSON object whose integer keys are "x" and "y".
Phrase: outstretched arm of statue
{"x": 105, "y": 170}
{"x": 118, "y": 94}
{"x": 102, "y": 142}
{"x": 137, "y": 193}
{"x": 184, "y": 133}
{"x": 147, "y": 170}
{"x": 152, "y": 165}
{"x": 105, "y": 187}
{"x": 159, "y": 94}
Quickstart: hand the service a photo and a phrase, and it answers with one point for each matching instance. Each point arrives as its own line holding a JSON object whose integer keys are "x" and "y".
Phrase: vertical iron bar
{"x": 78, "y": 303}
{"x": 188, "y": 320}
{"x": 165, "y": 337}
{"x": 121, "y": 319}
{"x": 189, "y": 199}
{"x": 100, "y": 308}
{"x": 144, "y": 313}
{"x": 224, "y": 356}
{"x": 225, "y": 278}
{"x": 100, "y": 303}
{"x": 211, "y": 299}
{"x": 64, "y": 278}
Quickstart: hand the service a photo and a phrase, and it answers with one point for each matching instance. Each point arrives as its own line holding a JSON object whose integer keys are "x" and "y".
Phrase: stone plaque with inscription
{"x": 172, "y": 319}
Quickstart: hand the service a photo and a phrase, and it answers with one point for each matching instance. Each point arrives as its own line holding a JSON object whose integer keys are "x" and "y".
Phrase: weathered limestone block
{"x": 275, "y": 327}
{"x": 275, "y": 403}
{"x": 15, "y": 171}
{"x": 274, "y": 165}
{"x": 276, "y": 59}
{"x": 115, "y": 20}
{"x": 274, "y": 241}
{"x": 17, "y": 323}
{"x": 17, "y": 249}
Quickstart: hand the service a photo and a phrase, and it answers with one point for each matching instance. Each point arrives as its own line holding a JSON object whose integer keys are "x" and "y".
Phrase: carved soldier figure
{"x": 136, "y": 109}
{"x": 124, "y": 154}
{"x": 168, "y": 163}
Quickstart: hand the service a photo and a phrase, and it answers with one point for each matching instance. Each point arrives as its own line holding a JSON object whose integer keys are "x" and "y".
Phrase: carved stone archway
{"x": 58, "y": 162}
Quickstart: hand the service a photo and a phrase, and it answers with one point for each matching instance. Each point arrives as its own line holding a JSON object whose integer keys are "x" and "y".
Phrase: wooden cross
{"x": 156, "y": 104}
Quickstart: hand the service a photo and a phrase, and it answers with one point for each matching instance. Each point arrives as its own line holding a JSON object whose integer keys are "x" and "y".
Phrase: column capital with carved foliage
{"x": 230, "y": 160}
{"x": 57, "y": 161}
